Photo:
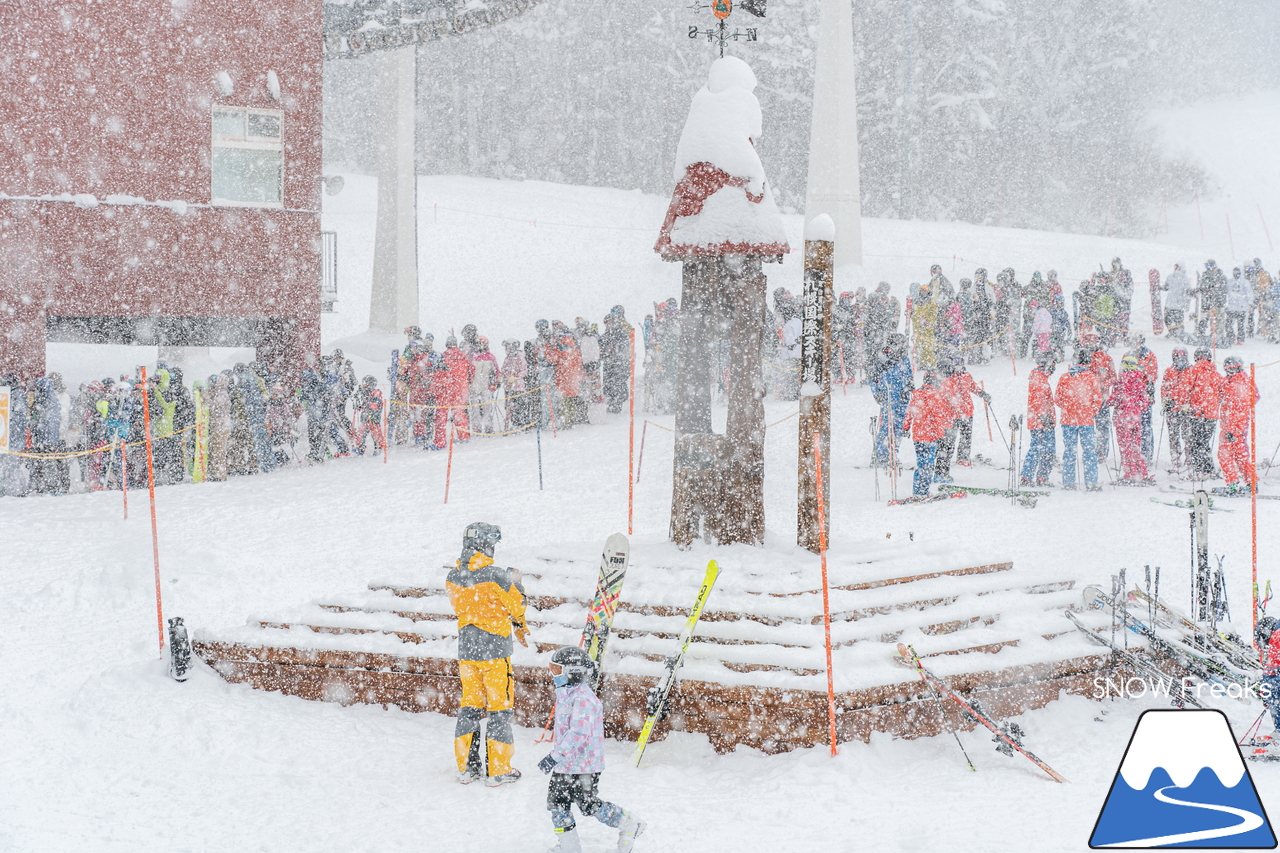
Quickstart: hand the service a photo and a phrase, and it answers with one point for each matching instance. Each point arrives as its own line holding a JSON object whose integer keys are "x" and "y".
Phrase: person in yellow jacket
{"x": 489, "y": 603}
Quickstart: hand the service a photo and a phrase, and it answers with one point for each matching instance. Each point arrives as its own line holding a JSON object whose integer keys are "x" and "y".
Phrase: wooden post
{"x": 695, "y": 478}
{"x": 151, "y": 487}
{"x": 632, "y": 474}
{"x": 815, "y": 381}
{"x": 742, "y": 501}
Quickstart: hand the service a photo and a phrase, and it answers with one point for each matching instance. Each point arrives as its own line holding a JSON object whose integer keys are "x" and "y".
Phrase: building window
{"x": 248, "y": 157}
{"x": 328, "y": 270}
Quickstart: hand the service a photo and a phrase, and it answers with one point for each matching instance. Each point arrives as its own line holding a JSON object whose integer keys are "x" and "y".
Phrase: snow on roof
{"x": 722, "y": 203}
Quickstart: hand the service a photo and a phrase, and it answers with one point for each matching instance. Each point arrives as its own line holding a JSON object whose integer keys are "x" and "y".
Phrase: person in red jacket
{"x": 1079, "y": 396}
{"x": 1041, "y": 422}
{"x": 420, "y": 364}
{"x": 569, "y": 374}
{"x": 451, "y": 386}
{"x": 1129, "y": 400}
{"x": 929, "y": 416}
{"x": 1238, "y": 397}
{"x": 957, "y": 388}
{"x": 1204, "y": 395}
{"x": 1177, "y": 407}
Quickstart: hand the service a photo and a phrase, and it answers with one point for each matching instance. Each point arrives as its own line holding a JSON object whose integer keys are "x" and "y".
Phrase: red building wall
{"x": 114, "y": 99}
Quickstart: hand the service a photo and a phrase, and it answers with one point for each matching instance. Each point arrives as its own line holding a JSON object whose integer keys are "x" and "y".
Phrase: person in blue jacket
{"x": 891, "y": 384}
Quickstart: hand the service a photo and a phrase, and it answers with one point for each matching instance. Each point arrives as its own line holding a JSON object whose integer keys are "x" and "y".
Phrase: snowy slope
{"x": 1234, "y": 141}
{"x": 101, "y": 752}
{"x": 503, "y": 254}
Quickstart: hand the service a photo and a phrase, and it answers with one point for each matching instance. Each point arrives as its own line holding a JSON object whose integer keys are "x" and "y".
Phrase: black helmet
{"x": 1262, "y": 633}
{"x": 577, "y": 664}
{"x": 1210, "y": 264}
{"x": 479, "y": 538}
{"x": 1232, "y": 364}
{"x": 1203, "y": 354}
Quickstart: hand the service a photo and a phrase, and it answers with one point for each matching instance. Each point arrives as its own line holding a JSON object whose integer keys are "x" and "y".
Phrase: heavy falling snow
{"x": 545, "y": 151}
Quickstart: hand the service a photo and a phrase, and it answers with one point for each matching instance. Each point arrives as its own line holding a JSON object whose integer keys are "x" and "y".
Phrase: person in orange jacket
{"x": 451, "y": 385}
{"x": 929, "y": 416}
{"x": 1041, "y": 423}
{"x": 1204, "y": 395}
{"x": 489, "y": 603}
{"x": 957, "y": 388}
{"x": 1175, "y": 399}
{"x": 1238, "y": 397}
{"x": 1079, "y": 396}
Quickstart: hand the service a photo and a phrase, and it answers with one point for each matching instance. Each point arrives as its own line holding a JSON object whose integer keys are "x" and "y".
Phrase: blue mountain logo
{"x": 1182, "y": 783}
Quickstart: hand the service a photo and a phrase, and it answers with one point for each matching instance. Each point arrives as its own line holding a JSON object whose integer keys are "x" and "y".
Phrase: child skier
{"x": 577, "y": 756}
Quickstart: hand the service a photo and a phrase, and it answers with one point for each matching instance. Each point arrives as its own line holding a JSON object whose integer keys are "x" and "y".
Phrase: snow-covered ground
{"x": 101, "y": 751}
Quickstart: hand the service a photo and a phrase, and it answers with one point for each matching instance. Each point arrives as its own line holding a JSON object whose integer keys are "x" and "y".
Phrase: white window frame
{"x": 245, "y": 141}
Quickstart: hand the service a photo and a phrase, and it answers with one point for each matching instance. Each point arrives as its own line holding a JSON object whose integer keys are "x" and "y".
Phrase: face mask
{"x": 560, "y": 680}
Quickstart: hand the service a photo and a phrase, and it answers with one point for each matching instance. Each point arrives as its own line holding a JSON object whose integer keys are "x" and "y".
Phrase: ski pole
{"x": 998, "y": 428}
{"x": 937, "y": 697}
{"x": 990, "y": 438}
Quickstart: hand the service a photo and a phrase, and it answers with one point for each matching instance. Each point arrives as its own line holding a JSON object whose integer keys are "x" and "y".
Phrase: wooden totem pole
{"x": 722, "y": 225}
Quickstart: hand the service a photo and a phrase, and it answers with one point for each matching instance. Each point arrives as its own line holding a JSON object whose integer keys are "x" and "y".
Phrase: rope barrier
{"x": 465, "y": 405}
{"x": 1131, "y": 331}
{"x": 983, "y": 344}
{"x": 787, "y": 418}
{"x": 508, "y": 432}
{"x": 104, "y": 448}
{"x": 660, "y": 426}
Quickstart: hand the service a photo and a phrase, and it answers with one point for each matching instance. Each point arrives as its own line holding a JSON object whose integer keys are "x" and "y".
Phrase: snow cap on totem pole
{"x": 722, "y": 204}
{"x": 821, "y": 227}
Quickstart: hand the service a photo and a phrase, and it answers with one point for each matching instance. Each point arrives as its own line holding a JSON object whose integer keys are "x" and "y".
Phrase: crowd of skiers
{"x": 250, "y": 419}
{"x": 558, "y": 374}
{"x": 1094, "y": 403}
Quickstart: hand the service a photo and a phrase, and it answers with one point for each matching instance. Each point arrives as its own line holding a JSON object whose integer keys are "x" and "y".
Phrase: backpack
{"x": 1105, "y": 307}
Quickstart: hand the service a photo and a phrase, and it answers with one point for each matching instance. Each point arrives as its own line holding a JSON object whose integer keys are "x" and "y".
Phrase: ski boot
{"x": 567, "y": 842}
{"x": 628, "y": 831}
{"x": 466, "y": 777}
{"x": 504, "y": 779}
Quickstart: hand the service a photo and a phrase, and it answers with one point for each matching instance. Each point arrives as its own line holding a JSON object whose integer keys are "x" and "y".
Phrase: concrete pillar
{"x": 393, "y": 303}
{"x": 833, "y": 135}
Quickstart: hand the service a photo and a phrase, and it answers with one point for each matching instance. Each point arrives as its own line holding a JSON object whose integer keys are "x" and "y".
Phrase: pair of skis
{"x": 1007, "y": 737}
{"x": 928, "y": 499}
{"x": 604, "y": 606}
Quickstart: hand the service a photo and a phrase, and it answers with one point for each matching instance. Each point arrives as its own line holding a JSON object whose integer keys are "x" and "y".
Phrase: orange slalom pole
{"x": 644, "y": 430}
{"x": 151, "y": 487}
{"x": 826, "y": 597}
{"x": 448, "y": 469}
{"x": 386, "y": 422}
{"x": 124, "y": 477}
{"x": 1253, "y": 487}
{"x": 631, "y": 449}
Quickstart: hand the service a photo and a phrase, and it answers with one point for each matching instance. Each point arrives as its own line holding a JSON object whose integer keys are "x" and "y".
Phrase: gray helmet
{"x": 479, "y": 538}
{"x": 577, "y": 664}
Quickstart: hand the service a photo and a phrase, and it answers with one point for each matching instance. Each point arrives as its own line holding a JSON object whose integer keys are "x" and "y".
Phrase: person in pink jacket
{"x": 1128, "y": 401}
{"x": 577, "y": 756}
